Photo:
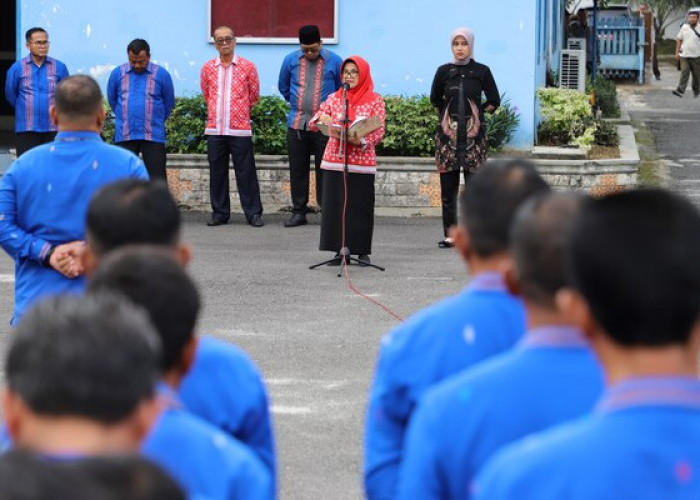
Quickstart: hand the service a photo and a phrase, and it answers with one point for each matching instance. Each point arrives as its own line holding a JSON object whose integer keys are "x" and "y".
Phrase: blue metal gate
{"x": 621, "y": 47}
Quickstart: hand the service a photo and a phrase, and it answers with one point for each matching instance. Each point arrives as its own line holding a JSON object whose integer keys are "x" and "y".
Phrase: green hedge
{"x": 410, "y": 126}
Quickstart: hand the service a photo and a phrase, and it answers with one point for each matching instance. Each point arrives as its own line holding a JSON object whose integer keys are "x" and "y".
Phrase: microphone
{"x": 345, "y": 86}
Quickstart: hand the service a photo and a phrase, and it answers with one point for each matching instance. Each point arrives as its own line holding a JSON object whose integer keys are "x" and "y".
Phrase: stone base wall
{"x": 401, "y": 183}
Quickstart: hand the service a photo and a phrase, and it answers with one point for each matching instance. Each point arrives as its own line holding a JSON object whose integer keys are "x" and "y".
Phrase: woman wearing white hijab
{"x": 460, "y": 140}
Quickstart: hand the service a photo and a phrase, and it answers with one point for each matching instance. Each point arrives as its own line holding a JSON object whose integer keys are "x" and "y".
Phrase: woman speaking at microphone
{"x": 356, "y": 217}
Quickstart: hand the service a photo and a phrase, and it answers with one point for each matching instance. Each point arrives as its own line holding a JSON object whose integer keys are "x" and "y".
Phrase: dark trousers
{"x": 219, "y": 149}
{"x": 449, "y": 189}
{"x": 24, "y": 141}
{"x": 153, "y": 154}
{"x": 301, "y": 144}
{"x": 690, "y": 66}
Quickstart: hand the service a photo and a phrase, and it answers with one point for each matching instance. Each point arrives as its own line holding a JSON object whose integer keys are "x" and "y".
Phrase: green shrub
{"x": 606, "y": 134}
{"x": 606, "y": 97}
{"x": 410, "y": 126}
{"x": 108, "y": 127}
{"x": 566, "y": 117}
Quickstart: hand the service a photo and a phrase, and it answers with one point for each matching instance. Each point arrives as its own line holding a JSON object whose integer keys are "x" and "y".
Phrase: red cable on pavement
{"x": 345, "y": 258}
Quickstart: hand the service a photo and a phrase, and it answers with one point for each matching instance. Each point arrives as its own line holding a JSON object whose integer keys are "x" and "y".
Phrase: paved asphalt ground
{"x": 314, "y": 340}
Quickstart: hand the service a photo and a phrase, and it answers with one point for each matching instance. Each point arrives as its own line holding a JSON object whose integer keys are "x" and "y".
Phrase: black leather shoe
{"x": 364, "y": 260}
{"x": 295, "y": 220}
{"x": 216, "y": 222}
{"x": 256, "y": 221}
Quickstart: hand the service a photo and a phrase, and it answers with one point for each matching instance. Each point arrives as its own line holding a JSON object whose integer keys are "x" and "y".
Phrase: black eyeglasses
{"x": 41, "y": 43}
{"x": 224, "y": 40}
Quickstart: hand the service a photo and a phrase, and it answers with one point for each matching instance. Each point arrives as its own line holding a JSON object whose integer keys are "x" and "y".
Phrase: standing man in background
{"x": 44, "y": 195}
{"x": 307, "y": 77}
{"x": 141, "y": 95}
{"x": 688, "y": 53}
{"x": 231, "y": 87}
{"x": 29, "y": 88}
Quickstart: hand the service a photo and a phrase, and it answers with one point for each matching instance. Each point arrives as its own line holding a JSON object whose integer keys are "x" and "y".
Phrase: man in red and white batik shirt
{"x": 231, "y": 87}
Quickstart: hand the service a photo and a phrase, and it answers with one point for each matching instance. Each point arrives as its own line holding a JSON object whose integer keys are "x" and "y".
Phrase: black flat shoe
{"x": 295, "y": 220}
{"x": 364, "y": 260}
{"x": 256, "y": 221}
{"x": 446, "y": 243}
{"x": 216, "y": 222}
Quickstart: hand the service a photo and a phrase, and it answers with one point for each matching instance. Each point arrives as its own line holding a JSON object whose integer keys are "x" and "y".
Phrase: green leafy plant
{"x": 409, "y": 127}
{"x": 606, "y": 134}
{"x": 501, "y": 124}
{"x": 269, "y": 119}
{"x": 606, "y": 97}
{"x": 185, "y": 127}
{"x": 566, "y": 117}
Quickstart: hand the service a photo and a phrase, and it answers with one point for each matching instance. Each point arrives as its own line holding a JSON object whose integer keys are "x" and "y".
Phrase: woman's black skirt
{"x": 359, "y": 220}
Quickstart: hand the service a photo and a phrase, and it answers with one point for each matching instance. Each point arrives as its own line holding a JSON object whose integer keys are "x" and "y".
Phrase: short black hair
{"x": 31, "y": 31}
{"x": 137, "y": 45}
{"x": 123, "y": 477}
{"x": 78, "y": 97}
{"x": 151, "y": 278}
{"x": 95, "y": 357}
{"x": 132, "y": 211}
{"x": 26, "y": 476}
{"x": 539, "y": 241}
{"x": 491, "y": 199}
{"x": 634, "y": 257}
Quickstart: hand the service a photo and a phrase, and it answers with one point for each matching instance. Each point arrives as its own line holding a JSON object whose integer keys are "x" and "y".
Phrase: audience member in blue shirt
{"x": 455, "y": 333}
{"x": 307, "y": 77}
{"x": 205, "y": 460}
{"x": 142, "y": 97}
{"x": 44, "y": 194}
{"x": 30, "y": 87}
{"x": 635, "y": 279}
{"x": 224, "y": 387}
{"x": 552, "y": 376}
{"x": 81, "y": 374}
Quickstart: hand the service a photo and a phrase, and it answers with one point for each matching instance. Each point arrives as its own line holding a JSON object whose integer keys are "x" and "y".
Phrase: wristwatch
{"x": 46, "y": 261}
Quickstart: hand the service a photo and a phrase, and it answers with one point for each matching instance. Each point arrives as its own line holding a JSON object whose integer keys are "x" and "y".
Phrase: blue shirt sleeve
{"x": 137, "y": 169}
{"x": 338, "y": 62}
{"x": 12, "y": 84}
{"x": 284, "y": 81}
{"x": 168, "y": 94}
{"x": 113, "y": 89}
{"x": 418, "y": 476}
{"x": 387, "y": 416}
{"x": 257, "y": 431}
{"x": 17, "y": 242}
{"x": 252, "y": 482}
{"x": 61, "y": 71}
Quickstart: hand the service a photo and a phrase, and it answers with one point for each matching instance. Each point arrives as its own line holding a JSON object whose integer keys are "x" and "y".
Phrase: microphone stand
{"x": 344, "y": 254}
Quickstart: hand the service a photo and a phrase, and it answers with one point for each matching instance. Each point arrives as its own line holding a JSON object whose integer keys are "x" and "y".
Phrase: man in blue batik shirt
{"x": 45, "y": 193}
{"x": 550, "y": 377}
{"x": 205, "y": 461}
{"x": 457, "y": 332}
{"x": 635, "y": 278}
{"x": 307, "y": 77}
{"x": 30, "y": 88}
{"x": 142, "y": 97}
{"x": 223, "y": 386}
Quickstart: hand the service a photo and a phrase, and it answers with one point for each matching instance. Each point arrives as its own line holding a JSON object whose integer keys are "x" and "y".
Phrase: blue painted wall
{"x": 403, "y": 40}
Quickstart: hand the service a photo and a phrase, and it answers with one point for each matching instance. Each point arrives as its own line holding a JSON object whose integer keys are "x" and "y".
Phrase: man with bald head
{"x": 45, "y": 193}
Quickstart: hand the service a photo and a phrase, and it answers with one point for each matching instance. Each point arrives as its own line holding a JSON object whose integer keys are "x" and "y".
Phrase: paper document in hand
{"x": 362, "y": 126}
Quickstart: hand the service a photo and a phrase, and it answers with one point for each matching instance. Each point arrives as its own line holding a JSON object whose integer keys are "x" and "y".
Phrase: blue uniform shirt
{"x": 30, "y": 89}
{"x": 550, "y": 377}
{"x": 141, "y": 102}
{"x": 44, "y": 197}
{"x": 446, "y": 338}
{"x": 642, "y": 443}
{"x": 293, "y": 76}
{"x": 225, "y": 388}
{"x": 205, "y": 461}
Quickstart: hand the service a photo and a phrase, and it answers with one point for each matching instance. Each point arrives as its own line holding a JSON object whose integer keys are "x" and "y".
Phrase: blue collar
{"x": 169, "y": 396}
{"x": 78, "y": 136}
{"x": 149, "y": 69}
{"x": 554, "y": 336}
{"x": 487, "y": 282}
{"x": 651, "y": 391}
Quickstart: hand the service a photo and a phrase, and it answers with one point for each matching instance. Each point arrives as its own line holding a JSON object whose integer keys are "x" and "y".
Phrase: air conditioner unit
{"x": 576, "y": 44}
{"x": 572, "y": 70}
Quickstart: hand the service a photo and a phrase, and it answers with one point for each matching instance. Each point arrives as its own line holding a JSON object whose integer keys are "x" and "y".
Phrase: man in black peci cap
{"x": 307, "y": 77}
